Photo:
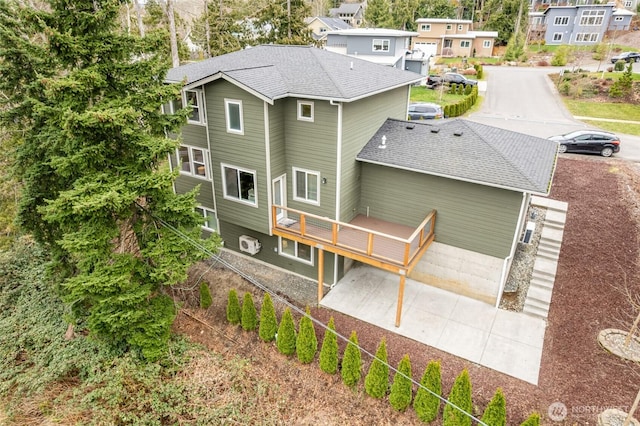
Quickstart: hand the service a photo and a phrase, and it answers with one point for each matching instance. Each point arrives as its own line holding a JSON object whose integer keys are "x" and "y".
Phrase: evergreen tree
{"x": 624, "y": 86}
{"x": 532, "y": 420}
{"x": 404, "y": 14}
{"x": 283, "y": 23}
{"x": 378, "y": 14}
{"x": 401, "y": 393}
{"x": 286, "y": 339}
{"x": 234, "y": 313}
{"x": 376, "y": 383}
{"x": 496, "y": 412}
{"x": 460, "y": 396}
{"x": 249, "y": 319}
{"x": 82, "y": 100}
{"x": 436, "y": 9}
{"x": 307, "y": 342}
{"x": 329, "y": 350}
{"x": 228, "y": 31}
{"x": 268, "y": 321}
{"x": 205, "y": 295}
{"x": 352, "y": 362}
{"x": 427, "y": 404}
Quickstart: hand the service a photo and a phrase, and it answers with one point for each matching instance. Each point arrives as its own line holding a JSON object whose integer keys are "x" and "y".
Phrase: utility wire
{"x": 217, "y": 259}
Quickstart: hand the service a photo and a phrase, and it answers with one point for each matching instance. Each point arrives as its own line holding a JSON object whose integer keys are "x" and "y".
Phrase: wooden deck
{"x": 387, "y": 245}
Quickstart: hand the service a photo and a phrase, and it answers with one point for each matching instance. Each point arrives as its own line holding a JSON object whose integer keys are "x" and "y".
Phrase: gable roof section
{"x": 467, "y": 151}
{"x": 277, "y": 71}
{"x": 334, "y": 23}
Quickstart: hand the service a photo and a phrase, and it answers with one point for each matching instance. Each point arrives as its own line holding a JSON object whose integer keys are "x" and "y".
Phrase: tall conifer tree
{"x": 83, "y": 100}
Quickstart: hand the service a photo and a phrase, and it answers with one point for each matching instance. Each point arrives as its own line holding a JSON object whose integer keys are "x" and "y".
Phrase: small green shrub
{"x": 426, "y": 404}
{"x": 351, "y": 362}
{"x": 376, "y": 383}
{"x": 619, "y": 66}
{"x": 307, "y": 342}
{"x": 329, "y": 350}
{"x": 205, "y": 295}
{"x": 401, "y": 393}
{"x": 268, "y": 321}
{"x": 233, "y": 307}
{"x": 532, "y": 420}
{"x": 286, "y": 339}
{"x": 565, "y": 88}
{"x": 249, "y": 318}
{"x": 496, "y": 412}
{"x": 460, "y": 396}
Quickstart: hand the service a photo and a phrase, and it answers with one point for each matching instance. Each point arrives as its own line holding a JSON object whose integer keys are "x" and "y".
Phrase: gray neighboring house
{"x": 380, "y": 45}
{"x": 479, "y": 179}
{"x": 320, "y": 25}
{"x": 583, "y": 24}
{"x": 351, "y": 13}
{"x": 283, "y": 145}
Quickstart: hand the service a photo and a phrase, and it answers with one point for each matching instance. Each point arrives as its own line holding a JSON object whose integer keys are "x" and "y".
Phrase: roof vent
{"x": 351, "y": 65}
{"x": 457, "y": 133}
{"x": 383, "y": 144}
{"x": 411, "y": 126}
{"x": 435, "y": 129}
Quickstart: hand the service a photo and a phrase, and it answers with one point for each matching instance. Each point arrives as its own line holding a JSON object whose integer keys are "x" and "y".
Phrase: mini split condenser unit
{"x": 249, "y": 244}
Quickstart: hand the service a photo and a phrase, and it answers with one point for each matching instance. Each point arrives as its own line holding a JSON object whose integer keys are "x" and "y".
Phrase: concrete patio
{"x": 504, "y": 341}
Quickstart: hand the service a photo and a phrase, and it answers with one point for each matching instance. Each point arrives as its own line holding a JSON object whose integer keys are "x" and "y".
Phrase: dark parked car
{"x": 588, "y": 141}
{"x": 450, "y": 78}
{"x": 627, "y": 57}
{"x": 424, "y": 111}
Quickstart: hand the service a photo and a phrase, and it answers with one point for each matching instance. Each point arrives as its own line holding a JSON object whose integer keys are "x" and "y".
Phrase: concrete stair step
{"x": 545, "y": 242}
{"x": 539, "y": 294}
{"x": 535, "y": 312}
{"x": 542, "y": 282}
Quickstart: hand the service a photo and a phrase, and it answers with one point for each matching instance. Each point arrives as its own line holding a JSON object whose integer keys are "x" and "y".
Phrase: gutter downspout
{"x": 267, "y": 148}
{"x": 338, "y": 180}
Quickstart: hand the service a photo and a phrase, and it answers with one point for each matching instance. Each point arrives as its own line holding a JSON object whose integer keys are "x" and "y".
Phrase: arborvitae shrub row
{"x": 329, "y": 350}
{"x": 532, "y": 420}
{"x": 286, "y": 340}
{"x": 249, "y": 318}
{"x": 496, "y": 412}
{"x": 205, "y": 295}
{"x": 426, "y": 404}
{"x": 376, "y": 383}
{"x": 401, "y": 392}
{"x": 460, "y": 396}
{"x": 307, "y": 343}
{"x": 352, "y": 362}
{"x": 268, "y": 321}
{"x": 233, "y": 307}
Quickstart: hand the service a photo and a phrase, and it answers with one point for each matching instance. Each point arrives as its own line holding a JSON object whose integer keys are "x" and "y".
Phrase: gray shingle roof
{"x": 276, "y": 71}
{"x": 334, "y": 23}
{"x": 468, "y": 151}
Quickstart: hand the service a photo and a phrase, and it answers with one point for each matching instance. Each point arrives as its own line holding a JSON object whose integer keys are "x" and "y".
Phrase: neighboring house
{"x": 351, "y": 13}
{"x": 453, "y": 37}
{"x": 319, "y": 25}
{"x": 578, "y": 25}
{"x": 541, "y": 5}
{"x": 303, "y": 161}
{"x": 379, "y": 45}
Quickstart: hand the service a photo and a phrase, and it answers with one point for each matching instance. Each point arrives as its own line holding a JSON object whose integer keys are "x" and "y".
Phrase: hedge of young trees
{"x": 426, "y": 401}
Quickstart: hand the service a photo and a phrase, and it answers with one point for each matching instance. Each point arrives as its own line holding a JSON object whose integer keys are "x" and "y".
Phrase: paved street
{"x": 525, "y": 100}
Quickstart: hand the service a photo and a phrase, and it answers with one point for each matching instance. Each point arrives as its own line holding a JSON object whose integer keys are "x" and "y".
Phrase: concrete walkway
{"x": 505, "y": 341}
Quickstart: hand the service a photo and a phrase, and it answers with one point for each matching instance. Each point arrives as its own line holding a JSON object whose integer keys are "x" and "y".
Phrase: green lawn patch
{"x": 437, "y": 96}
{"x": 618, "y": 111}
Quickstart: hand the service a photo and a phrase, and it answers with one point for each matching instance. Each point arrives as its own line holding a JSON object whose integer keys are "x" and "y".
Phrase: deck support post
{"x": 400, "y": 297}
{"x": 320, "y": 273}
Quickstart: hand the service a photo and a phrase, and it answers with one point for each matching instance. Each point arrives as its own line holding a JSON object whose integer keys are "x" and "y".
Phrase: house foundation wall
{"x": 460, "y": 271}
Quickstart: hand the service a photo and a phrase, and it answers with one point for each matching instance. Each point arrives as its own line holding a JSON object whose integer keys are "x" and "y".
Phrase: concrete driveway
{"x": 523, "y": 99}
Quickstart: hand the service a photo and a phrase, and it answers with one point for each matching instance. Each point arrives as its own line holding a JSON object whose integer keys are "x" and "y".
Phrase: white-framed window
{"x": 460, "y": 27}
{"x": 465, "y": 43}
{"x": 486, "y": 44}
{"x": 305, "y": 110}
{"x": 239, "y": 184}
{"x": 295, "y": 250}
{"x": 380, "y": 45}
{"x": 561, "y": 21}
{"x": 306, "y": 186}
{"x": 194, "y": 99}
{"x": 449, "y": 27}
{"x": 210, "y": 222}
{"x": 557, "y": 36}
{"x": 587, "y": 37}
{"x": 425, "y": 27}
{"x": 618, "y": 18}
{"x": 628, "y": 3}
{"x": 592, "y": 18}
{"x": 172, "y": 106}
{"x": 193, "y": 161}
{"x": 233, "y": 116}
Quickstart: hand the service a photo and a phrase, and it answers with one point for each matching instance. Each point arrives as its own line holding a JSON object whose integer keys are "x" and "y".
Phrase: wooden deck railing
{"x": 349, "y": 238}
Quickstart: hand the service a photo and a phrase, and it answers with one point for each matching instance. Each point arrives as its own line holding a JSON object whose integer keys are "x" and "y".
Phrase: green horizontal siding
{"x": 194, "y": 135}
{"x": 184, "y": 184}
{"x": 470, "y": 216}
{"x": 361, "y": 120}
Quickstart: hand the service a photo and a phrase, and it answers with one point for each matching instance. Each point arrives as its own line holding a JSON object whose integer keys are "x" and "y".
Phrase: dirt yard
{"x": 599, "y": 255}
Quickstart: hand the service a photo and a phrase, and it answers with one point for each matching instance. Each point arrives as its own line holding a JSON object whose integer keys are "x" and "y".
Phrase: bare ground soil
{"x": 599, "y": 254}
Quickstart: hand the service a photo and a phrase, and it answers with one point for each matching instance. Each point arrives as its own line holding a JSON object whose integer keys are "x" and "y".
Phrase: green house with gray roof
{"x": 282, "y": 143}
